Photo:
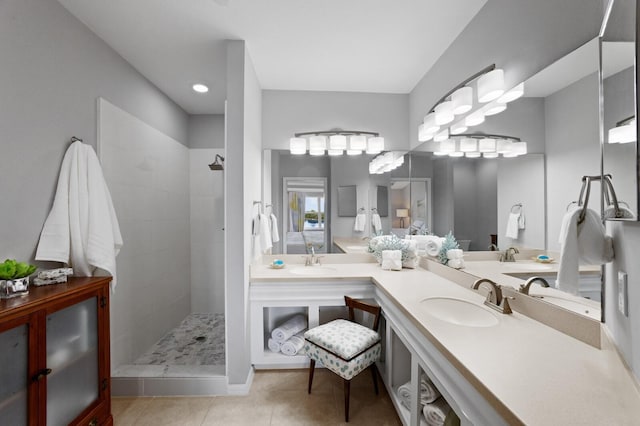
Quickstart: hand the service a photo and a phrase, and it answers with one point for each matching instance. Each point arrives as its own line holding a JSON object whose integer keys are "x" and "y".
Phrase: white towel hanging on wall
{"x": 82, "y": 229}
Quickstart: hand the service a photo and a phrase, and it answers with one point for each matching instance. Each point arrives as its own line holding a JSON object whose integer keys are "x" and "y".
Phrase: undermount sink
{"x": 312, "y": 270}
{"x": 458, "y": 312}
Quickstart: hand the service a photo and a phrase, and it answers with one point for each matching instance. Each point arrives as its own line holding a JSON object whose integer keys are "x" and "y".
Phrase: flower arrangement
{"x": 388, "y": 242}
{"x": 449, "y": 243}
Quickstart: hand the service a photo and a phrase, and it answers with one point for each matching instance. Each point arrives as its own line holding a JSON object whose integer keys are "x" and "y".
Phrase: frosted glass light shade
{"x": 494, "y": 108}
{"x": 474, "y": 119}
{"x": 430, "y": 125}
{"x": 354, "y": 152}
{"x": 472, "y": 154}
{"x": 462, "y": 100}
{"x": 317, "y": 143}
{"x": 338, "y": 142}
{"x": 490, "y": 155}
{"x": 358, "y": 142}
{"x": 334, "y": 151}
{"x": 298, "y": 146}
{"x": 439, "y": 153}
{"x": 448, "y": 146}
{"x": 487, "y": 145}
{"x": 491, "y": 86}
{"x": 456, "y": 154}
{"x": 519, "y": 148}
{"x": 444, "y": 113}
{"x": 316, "y": 152}
{"x": 509, "y": 155}
{"x": 512, "y": 94}
{"x": 623, "y": 134}
{"x": 468, "y": 145}
{"x": 443, "y": 135}
{"x": 503, "y": 146}
{"x": 423, "y": 135}
{"x": 458, "y": 128}
{"x": 375, "y": 145}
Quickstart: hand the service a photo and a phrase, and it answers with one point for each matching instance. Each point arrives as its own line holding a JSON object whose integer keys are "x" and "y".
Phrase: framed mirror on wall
{"x": 618, "y": 83}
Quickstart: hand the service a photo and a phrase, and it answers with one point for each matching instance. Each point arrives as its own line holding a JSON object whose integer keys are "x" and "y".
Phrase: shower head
{"x": 216, "y": 165}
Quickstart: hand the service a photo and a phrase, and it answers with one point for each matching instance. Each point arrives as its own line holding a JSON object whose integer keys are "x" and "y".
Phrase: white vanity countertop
{"x": 530, "y": 373}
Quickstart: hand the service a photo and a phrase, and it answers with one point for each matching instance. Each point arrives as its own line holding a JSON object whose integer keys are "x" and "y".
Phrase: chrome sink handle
{"x": 509, "y": 254}
{"x": 524, "y": 288}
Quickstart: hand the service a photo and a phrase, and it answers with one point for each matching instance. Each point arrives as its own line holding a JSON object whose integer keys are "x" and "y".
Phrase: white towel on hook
{"x": 82, "y": 228}
{"x": 581, "y": 244}
{"x": 513, "y": 226}
{"x": 261, "y": 230}
{"x": 376, "y": 223}
{"x": 521, "y": 221}
{"x": 275, "y": 235}
{"x": 361, "y": 220}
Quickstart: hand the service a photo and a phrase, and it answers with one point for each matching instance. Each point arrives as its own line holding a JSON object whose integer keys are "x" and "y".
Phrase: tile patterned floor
{"x": 198, "y": 340}
{"x": 276, "y": 398}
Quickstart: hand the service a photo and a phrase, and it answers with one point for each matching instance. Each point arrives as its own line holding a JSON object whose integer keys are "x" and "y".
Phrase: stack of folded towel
{"x": 439, "y": 413}
{"x": 428, "y": 392}
{"x": 288, "y": 336}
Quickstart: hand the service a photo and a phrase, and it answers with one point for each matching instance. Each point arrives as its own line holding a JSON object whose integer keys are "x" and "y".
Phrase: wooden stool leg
{"x": 312, "y": 366}
{"x": 374, "y": 375}
{"x": 347, "y": 392}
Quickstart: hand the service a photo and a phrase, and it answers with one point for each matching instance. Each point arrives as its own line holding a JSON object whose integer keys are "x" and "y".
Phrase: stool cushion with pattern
{"x": 342, "y": 346}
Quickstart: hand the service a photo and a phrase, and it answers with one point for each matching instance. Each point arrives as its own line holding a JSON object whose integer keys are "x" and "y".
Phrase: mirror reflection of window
{"x": 305, "y": 216}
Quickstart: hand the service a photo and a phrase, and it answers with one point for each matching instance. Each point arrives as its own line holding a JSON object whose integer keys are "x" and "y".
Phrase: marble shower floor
{"x": 195, "y": 348}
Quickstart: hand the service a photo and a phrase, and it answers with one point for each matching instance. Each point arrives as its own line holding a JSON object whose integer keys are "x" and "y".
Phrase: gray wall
{"x": 206, "y": 131}
{"x": 287, "y": 112}
{"x": 572, "y": 149}
{"x": 53, "y": 70}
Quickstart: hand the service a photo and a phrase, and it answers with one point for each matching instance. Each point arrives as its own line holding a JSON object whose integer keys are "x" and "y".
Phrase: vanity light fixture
{"x": 474, "y": 145}
{"x": 624, "y": 132}
{"x": 386, "y": 161}
{"x": 353, "y": 141}
{"x": 489, "y": 85}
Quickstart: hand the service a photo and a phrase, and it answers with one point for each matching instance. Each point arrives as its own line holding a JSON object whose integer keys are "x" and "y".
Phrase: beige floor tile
{"x": 182, "y": 411}
{"x": 239, "y": 410}
{"x": 277, "y": 398}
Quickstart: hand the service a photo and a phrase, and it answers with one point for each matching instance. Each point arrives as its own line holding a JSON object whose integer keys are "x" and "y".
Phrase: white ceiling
{"x": 334, "y": 45}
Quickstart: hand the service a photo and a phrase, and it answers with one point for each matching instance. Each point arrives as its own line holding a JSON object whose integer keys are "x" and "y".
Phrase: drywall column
{"x": 243, "y": 176}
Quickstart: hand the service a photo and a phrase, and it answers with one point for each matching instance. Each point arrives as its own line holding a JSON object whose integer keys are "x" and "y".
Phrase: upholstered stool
{"x": 345, "y": 347}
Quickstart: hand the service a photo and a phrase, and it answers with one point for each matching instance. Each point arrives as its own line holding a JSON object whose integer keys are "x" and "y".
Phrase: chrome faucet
{"x": 509, "y": 254}
{"x": 493, "y": 247}
{"x": 313, "y": 258}
{"x": 524, "y": 288}
{"x": 494, "y": 298}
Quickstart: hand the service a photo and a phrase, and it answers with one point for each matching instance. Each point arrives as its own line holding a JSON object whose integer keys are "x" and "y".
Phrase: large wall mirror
{"x": 619, "y": 79}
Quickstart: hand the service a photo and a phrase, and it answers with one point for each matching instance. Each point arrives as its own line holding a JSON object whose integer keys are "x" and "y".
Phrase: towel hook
{"x": 516, "y": 206}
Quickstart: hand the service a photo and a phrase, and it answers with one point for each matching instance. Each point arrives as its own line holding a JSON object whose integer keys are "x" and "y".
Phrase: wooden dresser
{"x": 54, "y": 355}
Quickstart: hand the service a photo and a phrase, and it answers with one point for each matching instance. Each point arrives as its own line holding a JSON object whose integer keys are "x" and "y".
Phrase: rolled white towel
{"x": 428, "y": 391}
{"x": 404, "y": 394}
{"x": 274, "y": 345}
{"x": 433, "y": 246}
{"x": 293, "y": 345}
{"x": 454, "y": 254}
{"x": 392, "y": 260}
{"x": 436, "y": 412}
{"x": 456, "y": 263}
{"x": 290, "y": 328}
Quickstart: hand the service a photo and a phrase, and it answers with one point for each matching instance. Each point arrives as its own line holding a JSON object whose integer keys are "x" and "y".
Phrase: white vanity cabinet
{"x": 273, "y": 302}
{"x": 408, "y": 353}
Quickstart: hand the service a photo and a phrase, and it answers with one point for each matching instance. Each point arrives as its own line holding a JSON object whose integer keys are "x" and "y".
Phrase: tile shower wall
{"x": 148, "y": 175}
{"x": 207, "y": 234}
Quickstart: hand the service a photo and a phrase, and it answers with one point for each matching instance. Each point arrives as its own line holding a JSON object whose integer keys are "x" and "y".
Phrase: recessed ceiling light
{"x": 200, "y": 88}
